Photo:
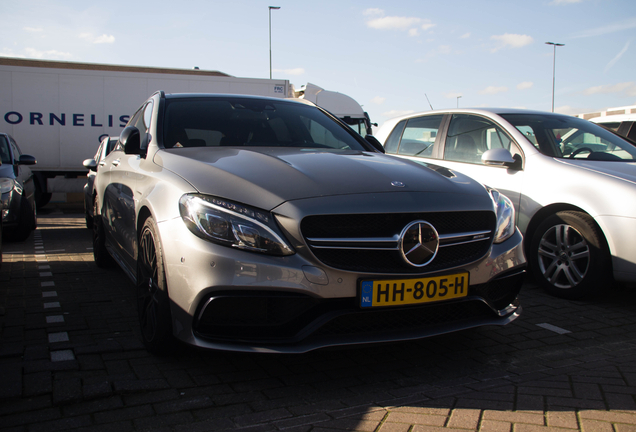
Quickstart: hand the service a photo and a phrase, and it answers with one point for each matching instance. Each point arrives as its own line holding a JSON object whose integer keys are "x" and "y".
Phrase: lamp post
{"x": 458, "y": 101}
{"x": 270, "y": 38}
{"x": 554, "y": 44}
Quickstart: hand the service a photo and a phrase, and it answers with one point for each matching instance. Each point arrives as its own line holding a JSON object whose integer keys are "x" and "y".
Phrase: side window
{"x": 5, "y": 154}
{"x": 16, "y": 151}
{"x": 470, "y": 136}
{"x": 392, "y": 142}
{"x": 419, "y": 136}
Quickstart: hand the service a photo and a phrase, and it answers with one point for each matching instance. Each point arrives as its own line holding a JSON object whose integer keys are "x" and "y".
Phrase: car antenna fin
{"x": 429, "y": 102}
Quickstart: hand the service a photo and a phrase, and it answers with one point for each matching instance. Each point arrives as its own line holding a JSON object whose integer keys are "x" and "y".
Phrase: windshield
{"x": 225, "y": 121}
{"x": 570, "y": 137}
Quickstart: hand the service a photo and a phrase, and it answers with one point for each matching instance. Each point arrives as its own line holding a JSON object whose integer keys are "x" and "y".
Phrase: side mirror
{"x": 130, "y": 139}
{"x": 90, "y": 164}
{"x": 27, "y": 160}
{"x": 375, "y": 143}
{"x": 500, "y": 157}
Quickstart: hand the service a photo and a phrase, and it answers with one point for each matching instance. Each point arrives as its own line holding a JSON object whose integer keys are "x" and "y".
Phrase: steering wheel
{"x": 579, "y": 150}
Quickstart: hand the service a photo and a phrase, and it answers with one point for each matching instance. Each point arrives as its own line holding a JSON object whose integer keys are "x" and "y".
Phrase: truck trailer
{"x": 60, "y": 111}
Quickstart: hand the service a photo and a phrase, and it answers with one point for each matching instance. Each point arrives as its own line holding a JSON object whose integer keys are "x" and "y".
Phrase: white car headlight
{"x": 505, "y": 216}
{"x": 232, "y": 224}
{"x": 6, "y": 185}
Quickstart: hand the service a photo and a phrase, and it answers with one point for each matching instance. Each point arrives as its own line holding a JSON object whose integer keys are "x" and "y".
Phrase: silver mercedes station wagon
{"x": 268, "y": 225}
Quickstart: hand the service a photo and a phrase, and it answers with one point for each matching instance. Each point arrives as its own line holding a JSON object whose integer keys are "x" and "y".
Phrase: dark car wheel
{"x": 100, "y": 254}
{"x": 153, "y": 302}
{"x": 26, "y": 223}
{"x": 87, "y": 215}
{"x": 568, "y": 255}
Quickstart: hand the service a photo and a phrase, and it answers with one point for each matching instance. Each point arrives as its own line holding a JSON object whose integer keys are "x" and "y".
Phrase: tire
{"x": 87, "y": 215}
{"x": 41, "y": 198}
{"x": 153, "y": 302}
{"x": 26, "y": 223}
{"x": 569, "y": 256}
{"x": 100, "y": 253}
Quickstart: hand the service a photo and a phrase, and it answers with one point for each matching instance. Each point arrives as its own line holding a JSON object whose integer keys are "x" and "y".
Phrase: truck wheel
{"x": 568, "y": 255}
{"x": 153, "y": 303}
{"x": 100, "y": 253}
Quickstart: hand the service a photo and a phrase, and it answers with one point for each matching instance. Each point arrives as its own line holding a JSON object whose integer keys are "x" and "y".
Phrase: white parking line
{"x": 554, "y": 328}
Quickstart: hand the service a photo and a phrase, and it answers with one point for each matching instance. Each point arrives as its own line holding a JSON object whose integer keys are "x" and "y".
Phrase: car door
{"x": 119, "y": 210}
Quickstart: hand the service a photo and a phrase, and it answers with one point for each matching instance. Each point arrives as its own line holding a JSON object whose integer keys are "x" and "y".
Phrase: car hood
{"x": 621, "y": 170}
{"x": 267, "y": 177}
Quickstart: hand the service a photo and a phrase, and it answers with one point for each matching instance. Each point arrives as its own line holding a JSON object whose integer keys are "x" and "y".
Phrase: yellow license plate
{"x": 394, "y": 292}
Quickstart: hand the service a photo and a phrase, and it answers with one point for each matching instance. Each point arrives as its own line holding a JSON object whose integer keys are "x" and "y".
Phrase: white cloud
{"x": 627, "y": 24}
{"x": 525, "y": 85}
{"x": 491, "y": 90}
{"x": 412, "y": 25}
{"x": 33, "y": 29}
{"x": 50, "y": 54}
{"x": 465, "y": 36}
{"x": 88, "y": 37}
{"x": 104, "y": 39}
{"x": 378, "y": 100}
{"x": 509, "y": 40}
{"x": 627, "y": 88}
{"x": 394, "y": 23}
{"x": 294, "y": 71}
{"x": 618, "y": 56}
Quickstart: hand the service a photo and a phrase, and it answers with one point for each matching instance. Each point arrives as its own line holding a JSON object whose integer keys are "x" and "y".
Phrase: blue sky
{"x": 388, "y": 55}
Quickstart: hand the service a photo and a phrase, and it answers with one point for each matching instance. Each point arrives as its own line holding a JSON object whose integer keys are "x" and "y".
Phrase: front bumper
{"x": 234, "y": 300}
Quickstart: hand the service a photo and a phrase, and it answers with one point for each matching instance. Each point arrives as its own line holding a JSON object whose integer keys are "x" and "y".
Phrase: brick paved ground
{"x": 71, "y": 359}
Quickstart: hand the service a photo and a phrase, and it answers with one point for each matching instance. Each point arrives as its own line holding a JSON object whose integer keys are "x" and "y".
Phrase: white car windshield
{"x": 570, "y": 137}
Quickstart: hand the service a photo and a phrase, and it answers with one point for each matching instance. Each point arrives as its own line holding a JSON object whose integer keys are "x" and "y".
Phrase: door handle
{"x": 116, "y": 162}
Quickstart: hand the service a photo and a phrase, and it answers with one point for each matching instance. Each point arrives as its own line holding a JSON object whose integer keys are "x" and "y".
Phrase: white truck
{"x": 60, "y": 111}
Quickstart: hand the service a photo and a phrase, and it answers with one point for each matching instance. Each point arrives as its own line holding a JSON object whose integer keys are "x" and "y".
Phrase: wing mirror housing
{"x": 501, "y": 157}
{"x": 130, "y": 140}
{"x": 90, "y": 164}
{"x": 375, "y": 143}
{"x": 26, "y": 159}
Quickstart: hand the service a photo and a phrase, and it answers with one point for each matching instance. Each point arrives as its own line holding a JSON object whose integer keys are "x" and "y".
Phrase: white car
{"x": 573, "y": 184}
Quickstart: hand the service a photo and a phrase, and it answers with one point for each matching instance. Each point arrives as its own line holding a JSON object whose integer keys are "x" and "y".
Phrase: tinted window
{"x": 393, "y": 141}
{"x": 200, "y": 122}
{"x": 469, "y": 137}
{"x": 570, "y": 137}
{"x": 419, "y": 136}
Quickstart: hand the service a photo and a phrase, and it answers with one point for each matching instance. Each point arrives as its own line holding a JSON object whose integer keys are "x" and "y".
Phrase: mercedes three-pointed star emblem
{"x": 419, "y": 243}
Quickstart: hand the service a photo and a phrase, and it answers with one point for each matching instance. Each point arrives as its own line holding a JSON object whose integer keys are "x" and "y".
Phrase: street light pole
{"x": 554, "y": 44}
{"x": 270, "y": 38}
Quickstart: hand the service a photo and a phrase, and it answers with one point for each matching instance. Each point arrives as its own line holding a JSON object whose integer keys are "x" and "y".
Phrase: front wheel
{"x": 153, "y": 303}
{"x": 568, "y": 255}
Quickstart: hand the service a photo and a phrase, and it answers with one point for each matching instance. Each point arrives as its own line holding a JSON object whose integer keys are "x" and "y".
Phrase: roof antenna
{"x": 429, "y": 102}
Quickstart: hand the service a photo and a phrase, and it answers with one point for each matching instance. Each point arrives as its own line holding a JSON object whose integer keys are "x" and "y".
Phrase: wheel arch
{"x": 549, "y": 210}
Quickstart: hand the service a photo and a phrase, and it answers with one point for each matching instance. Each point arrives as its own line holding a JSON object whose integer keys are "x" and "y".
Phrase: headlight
{"x": 505, "y": 216}
{"x": 232, "y": 224}
{"x": 6, "y": 185}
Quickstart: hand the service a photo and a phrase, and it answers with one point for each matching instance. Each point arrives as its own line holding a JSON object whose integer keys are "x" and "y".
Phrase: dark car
{"x": 261, "y": 224}
{"x": 105, "y": 147}
{"x": 17, "y": 190}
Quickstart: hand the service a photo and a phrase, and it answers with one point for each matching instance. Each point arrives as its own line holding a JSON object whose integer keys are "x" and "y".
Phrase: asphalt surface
{"x": 71, "y": 359}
